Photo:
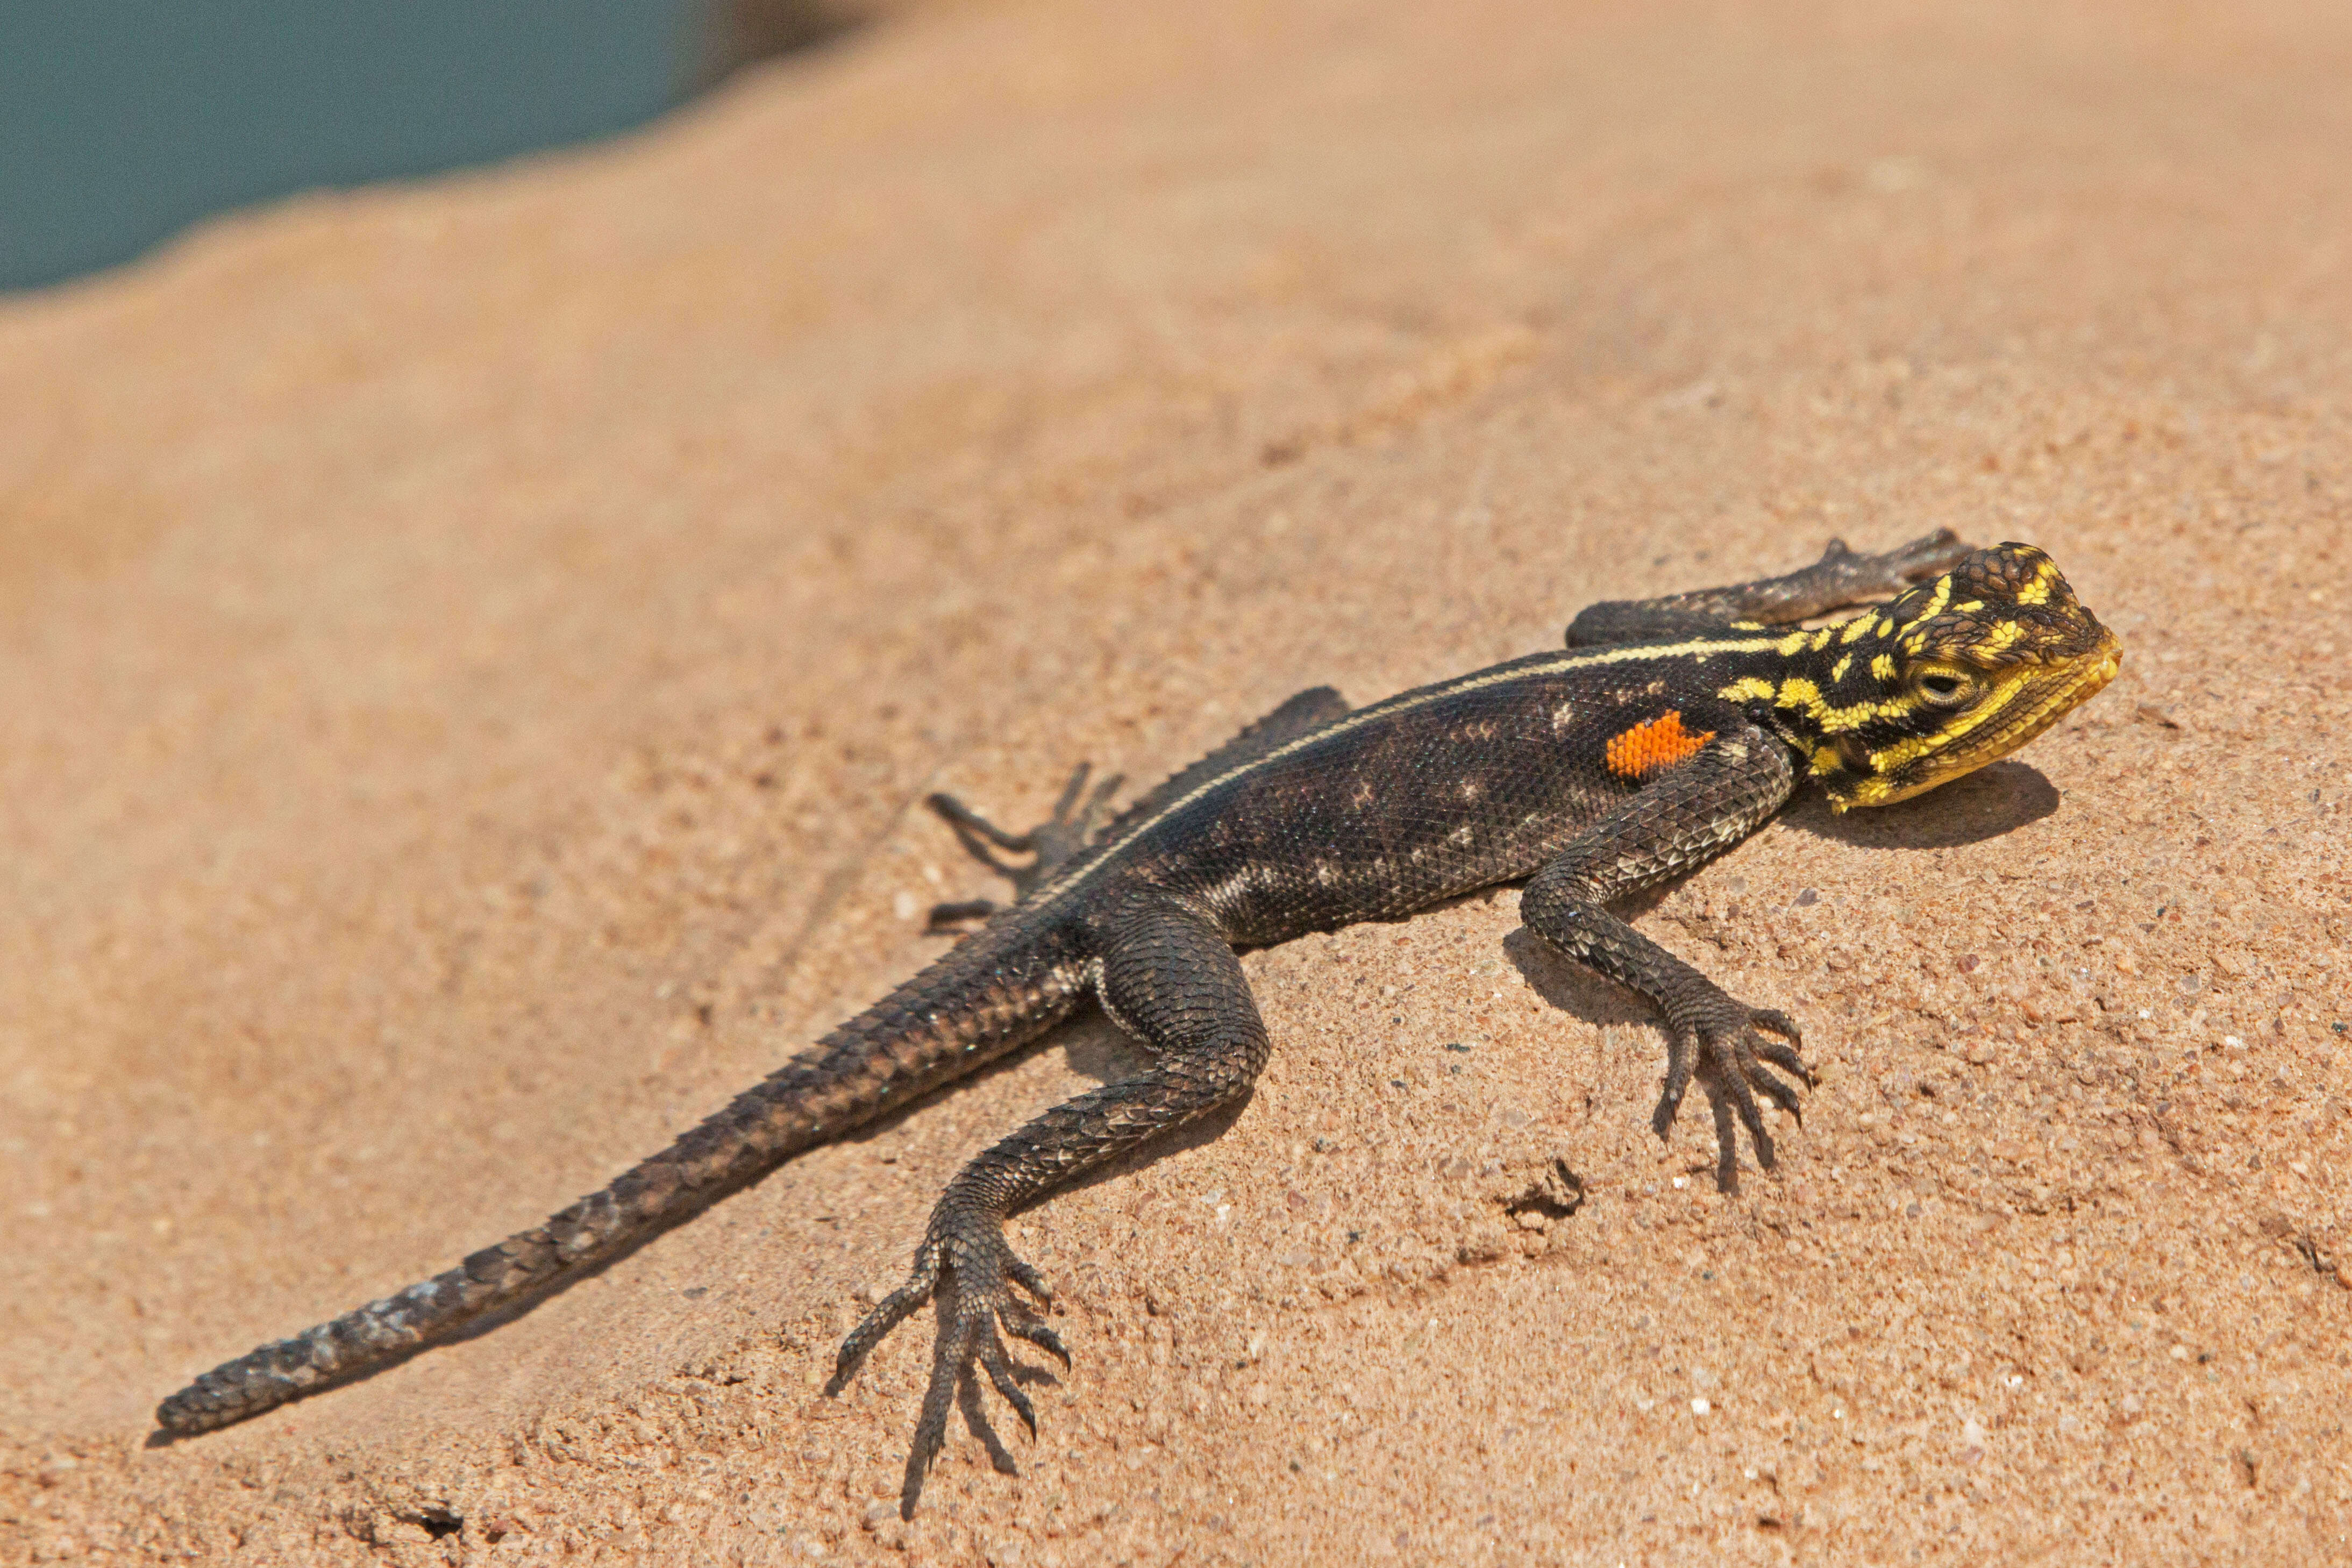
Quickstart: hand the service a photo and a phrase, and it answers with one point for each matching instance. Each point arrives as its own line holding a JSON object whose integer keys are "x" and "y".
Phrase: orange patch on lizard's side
{"x": 1660, "y": 743}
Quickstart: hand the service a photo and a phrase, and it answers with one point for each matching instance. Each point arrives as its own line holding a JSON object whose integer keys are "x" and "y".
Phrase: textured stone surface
{"x": 469, "y": 653}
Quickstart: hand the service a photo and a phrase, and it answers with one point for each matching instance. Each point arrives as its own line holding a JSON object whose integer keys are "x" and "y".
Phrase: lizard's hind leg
{"x": 1050, "y": 844}
{"x": 1170, "y": 980}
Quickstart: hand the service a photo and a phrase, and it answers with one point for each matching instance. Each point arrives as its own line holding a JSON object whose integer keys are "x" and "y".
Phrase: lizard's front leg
{"x": 1169, "y": 978}
{"x": 1686, "y": 816}
{"x": 1838, "y": 579}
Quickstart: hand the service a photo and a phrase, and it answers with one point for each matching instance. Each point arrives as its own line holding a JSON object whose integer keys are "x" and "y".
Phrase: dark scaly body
{"x": 1431, "y": 795}
{"x": 1682, "y": 725}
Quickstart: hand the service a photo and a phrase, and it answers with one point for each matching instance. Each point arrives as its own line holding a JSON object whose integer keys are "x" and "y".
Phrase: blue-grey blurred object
{"x": 123, "y": 121}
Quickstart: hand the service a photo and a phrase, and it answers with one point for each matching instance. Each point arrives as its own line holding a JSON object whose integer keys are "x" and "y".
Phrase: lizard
{"x": 1666, "y": 731}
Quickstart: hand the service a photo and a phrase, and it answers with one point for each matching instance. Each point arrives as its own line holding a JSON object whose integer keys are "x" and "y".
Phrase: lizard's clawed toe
{"x": 973, "y": 1273}
{"x": 999, "y": 1366}
{"x": 1725, "y": 1052}
{"x": 887, "y": 1315}
{"x": 1038, "y": 1334}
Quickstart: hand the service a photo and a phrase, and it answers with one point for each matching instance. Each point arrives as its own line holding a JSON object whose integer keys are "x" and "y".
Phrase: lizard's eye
{"x": 1943, "y": 687}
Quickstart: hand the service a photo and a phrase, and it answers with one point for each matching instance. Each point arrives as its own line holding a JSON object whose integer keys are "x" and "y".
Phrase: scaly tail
{"x": 995, "y": 991}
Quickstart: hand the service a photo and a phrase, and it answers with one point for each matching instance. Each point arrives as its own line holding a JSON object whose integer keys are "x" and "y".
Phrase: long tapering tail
{"x": 993, "y": 993}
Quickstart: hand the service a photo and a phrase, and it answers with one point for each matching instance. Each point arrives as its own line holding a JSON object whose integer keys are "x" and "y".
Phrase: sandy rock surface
{"x": 470, "y": 655}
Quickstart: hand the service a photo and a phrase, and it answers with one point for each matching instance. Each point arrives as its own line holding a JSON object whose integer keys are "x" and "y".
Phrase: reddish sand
{"x": 473, "y": 651}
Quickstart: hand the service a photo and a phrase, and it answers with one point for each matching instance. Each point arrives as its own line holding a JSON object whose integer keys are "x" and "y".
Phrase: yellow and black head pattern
{"x": 1956, "y": 673}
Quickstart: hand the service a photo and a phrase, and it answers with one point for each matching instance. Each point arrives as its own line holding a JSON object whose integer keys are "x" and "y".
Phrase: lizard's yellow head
{"x": 1956, "y": 673}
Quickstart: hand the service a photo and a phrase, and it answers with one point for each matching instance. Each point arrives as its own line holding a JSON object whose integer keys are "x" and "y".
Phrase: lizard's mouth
{"x": 2024, "y": 701}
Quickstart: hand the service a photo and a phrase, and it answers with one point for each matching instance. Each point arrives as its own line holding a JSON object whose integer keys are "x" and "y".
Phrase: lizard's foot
{"x": 1888, "y": 574}
{"x": 1051, "y": 843}
{"x": 1724, "y": 1041}
{"x": 979, "y": 1271}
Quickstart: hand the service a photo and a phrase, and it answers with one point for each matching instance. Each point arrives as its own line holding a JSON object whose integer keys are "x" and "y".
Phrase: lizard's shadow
{"x": 1094, "y": 1047}
{"x": 1992, "y": 800}
{"x": 1572, "y": 989}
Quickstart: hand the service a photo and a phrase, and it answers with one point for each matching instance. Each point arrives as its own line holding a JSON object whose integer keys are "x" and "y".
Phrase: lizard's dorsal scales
{"x": 1316, "y": 705}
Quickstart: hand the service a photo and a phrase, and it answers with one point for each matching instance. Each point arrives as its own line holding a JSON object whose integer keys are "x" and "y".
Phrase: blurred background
{"x": 122, "y": 121}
